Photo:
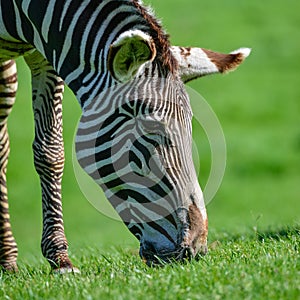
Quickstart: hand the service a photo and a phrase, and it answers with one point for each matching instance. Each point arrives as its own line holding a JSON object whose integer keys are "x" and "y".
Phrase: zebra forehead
{"x": 168, "y": 96}
{"x": 159, "y": 36}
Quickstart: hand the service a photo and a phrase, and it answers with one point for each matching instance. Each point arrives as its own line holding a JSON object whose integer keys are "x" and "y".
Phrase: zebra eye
{"x": 155, "y": 127}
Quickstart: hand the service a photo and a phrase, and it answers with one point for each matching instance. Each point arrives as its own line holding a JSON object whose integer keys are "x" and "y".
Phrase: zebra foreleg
{"x": 48, "y": 148}
{"x": 8, "y": 88}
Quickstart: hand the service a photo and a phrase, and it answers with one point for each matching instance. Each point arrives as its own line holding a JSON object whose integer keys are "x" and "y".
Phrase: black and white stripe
{"x": 134, "y": 139}
{"x": 8, "y": 87}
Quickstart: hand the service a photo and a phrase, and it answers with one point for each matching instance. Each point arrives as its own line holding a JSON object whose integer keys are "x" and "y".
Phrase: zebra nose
{"x": 149, "y": 256}
{"x": 152, "y": 257}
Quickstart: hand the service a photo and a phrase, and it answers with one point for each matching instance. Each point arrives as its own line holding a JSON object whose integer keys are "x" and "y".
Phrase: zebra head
{"x": 135, "y": 141}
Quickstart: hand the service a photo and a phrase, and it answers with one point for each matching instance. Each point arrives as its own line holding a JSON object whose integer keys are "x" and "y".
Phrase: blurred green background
{"x": 258, "y": 107}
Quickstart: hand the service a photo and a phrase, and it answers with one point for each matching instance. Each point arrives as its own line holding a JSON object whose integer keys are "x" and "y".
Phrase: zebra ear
{"x": 128, "y": 53}
{"x": 198, "y": 62}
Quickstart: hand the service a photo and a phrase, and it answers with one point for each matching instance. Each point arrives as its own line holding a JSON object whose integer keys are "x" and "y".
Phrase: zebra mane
{"x": 160, "y": 37}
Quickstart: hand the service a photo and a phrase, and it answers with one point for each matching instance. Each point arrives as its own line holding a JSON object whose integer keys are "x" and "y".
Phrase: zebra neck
{"x": 76, "y": 38}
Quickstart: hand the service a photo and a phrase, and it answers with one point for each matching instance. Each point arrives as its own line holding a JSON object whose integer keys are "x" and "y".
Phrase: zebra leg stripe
{"x": 8, "y": 88}
{"x": 47, "y": 89}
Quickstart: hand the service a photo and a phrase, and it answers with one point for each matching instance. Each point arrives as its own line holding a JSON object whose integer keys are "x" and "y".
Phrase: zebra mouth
{"x": 184, "y": 254}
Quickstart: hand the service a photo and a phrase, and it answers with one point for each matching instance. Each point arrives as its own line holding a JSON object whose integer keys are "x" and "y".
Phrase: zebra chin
{"x": 154, "y": 259}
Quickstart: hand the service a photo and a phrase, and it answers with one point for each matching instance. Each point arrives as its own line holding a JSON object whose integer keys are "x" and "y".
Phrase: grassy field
{"x": 254, "y": 218}
{"x": 260, "y": 266}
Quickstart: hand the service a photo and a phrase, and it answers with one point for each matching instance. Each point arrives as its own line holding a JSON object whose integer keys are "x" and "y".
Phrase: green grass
{"x": 255, "y": 266}
{"x": 259, "y": 109}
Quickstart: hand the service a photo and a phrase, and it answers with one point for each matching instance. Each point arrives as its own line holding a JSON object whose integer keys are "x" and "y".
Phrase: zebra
{"x": 134, "y": 136}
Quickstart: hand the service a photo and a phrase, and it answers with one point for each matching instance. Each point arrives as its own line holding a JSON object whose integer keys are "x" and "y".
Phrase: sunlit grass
{"x": 252, "y": 266}
{"x": 259, "y": 109}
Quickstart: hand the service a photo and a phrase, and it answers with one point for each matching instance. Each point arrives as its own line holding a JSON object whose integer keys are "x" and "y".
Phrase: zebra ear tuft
{"x": 128, "y": 53}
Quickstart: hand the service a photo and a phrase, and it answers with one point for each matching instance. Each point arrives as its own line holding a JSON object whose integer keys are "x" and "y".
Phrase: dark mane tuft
{"x": 161, "y": 39}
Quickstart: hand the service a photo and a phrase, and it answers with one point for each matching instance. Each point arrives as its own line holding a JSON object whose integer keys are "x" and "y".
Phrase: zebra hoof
{"x": 62, "y": 271}
{"x": 9, "y": 267}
